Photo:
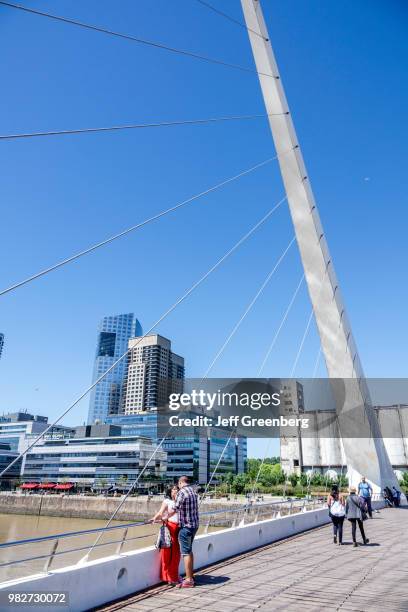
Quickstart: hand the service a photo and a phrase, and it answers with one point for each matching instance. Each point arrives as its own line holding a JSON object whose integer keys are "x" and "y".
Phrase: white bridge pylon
{"x": 364, "y": 455}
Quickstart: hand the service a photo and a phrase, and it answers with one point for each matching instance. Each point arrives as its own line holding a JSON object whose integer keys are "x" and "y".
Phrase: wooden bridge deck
{"x": 307, "y": 572}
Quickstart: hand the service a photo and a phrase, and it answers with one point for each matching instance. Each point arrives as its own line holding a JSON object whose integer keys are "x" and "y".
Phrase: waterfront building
{"x": 19, "y": 429}
{"x": 16, "y": 426}
{"x": 323, "y": 452}
{"x": 292, "y": 396}
{"x": 96, "y": 456}
{"x": 153, "y": 373}
{"x": 292, "y": 403}
{"x": 112, "y": 342}
{"x": 194, "y": 454}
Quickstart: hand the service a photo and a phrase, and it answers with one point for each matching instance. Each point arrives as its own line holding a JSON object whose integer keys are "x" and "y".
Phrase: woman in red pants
{"x": 170, "y": 557}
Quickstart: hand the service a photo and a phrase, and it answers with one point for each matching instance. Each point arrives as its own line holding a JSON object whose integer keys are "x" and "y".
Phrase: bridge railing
{"x": 44, "y": 553}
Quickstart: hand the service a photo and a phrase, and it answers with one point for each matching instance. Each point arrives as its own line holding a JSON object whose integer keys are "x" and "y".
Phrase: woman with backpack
{"x": 356, "y": 513}
{"x": 337, "y": 513}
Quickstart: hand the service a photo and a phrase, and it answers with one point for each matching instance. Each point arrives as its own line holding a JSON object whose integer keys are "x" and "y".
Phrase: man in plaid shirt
{"x": 187, "y": 507}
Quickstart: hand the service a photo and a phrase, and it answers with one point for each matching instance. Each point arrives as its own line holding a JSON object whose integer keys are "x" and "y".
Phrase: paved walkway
{"x": 305, "y": 573}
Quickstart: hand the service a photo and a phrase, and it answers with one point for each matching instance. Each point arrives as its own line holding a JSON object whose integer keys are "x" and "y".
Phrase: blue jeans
{"x": 186, "y": 537}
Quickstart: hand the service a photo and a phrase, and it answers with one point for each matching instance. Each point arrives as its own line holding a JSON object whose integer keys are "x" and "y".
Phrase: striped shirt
{"x": 187, "y": 507}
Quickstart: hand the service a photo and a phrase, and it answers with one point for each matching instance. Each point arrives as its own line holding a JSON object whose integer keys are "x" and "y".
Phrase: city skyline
{"x": 127, "y": 179}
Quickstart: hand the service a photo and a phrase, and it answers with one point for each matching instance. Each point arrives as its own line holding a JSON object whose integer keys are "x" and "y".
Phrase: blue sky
{"x": 344, "y": 69}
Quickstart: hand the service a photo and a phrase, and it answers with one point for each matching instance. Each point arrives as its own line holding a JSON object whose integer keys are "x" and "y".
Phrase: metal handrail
{"x": 54, "y": 553}
{"x": 72, "y": 550}
{"x": 69, "y": 534}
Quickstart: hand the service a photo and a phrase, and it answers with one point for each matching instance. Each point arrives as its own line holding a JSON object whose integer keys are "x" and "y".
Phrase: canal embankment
{"x": 98, "y": 507}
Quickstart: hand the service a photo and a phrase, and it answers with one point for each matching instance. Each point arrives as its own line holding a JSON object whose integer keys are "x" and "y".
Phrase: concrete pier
{"x": 77, "y": 506}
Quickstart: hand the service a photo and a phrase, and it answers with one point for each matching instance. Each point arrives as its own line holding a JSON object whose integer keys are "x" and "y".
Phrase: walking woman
{"x": 355, "y": 511}
{"x": 170, "y": 557}
{"x": 337, "y": 512}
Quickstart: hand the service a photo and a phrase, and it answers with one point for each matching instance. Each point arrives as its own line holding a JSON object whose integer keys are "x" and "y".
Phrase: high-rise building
{"x": 112, "y": 342}
{"x": 153, "y": 373}
{"x": 1, "y": 343}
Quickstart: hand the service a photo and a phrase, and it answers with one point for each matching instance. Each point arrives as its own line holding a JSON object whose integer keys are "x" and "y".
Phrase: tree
{"x": 272, "y": 460}
{"x": 404, "y": 480}
{"x": 268, "y": 476}
{"x": 342, "y": 481}
{"x": 271, "y": 474}
{"x": 253, "y": 465}
{"x": 293, "y": 479}
{"x": 317, "y": 479}
{"x": 239, "y": 483}
{"x": 122, "y": 482}
{"x": 101, "y": 483}
{"x": 303, "y": 479}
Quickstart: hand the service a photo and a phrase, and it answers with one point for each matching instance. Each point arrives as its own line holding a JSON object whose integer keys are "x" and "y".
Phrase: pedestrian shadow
{"x": 207, "y": 579}
{"x": 360, "y": 544}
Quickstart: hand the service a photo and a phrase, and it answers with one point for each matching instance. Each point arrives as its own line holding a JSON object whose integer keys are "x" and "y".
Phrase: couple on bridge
{"x": 355, "y": 508}
{"x": 179, "y": 516}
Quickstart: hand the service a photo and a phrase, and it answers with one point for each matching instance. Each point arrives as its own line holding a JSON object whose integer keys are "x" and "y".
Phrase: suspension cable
{"x": 168, "y": 311}
{"x": 302, "y": 343}
{"x": 129, "y": 37}
{"x": 119, "y": 506}
{"x": 232, "y": 19}
{"x": 134, "y": 227}
{"x": 136, "y": 126}
{"x": 249, "y": 307}
{"x": 322, "y": 283}
{"x": 86, "y": 557}
{"x": 216, "y": 467}
{"x": 316, "y": 365}
{"x": 261, "y": 466}
{"x": 309, "y": 480}
{"x": 326, "y": 480}
{"x": 285, "y": 316}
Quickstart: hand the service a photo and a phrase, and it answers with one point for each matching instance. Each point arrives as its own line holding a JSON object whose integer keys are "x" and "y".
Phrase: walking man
{"x": 365, "y": 491}
{"x": 186, "y": 505}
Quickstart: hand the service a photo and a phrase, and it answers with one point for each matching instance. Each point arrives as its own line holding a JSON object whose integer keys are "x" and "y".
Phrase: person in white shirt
{"x": 170, "y": 557}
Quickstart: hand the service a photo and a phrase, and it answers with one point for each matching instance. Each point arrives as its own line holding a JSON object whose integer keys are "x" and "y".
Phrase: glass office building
{"x": 194, "y": 454}
{"x": 96, "y": 456}
{"x": 114, "y": 333}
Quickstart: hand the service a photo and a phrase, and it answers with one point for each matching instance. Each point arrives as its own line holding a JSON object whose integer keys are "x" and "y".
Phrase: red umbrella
{"x": 63, "y": 486}
{"x": 29, "y": 485}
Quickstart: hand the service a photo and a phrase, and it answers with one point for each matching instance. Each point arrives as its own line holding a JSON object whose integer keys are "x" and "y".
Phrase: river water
{"x": 33, "y": 556}
{"x": 21, "y": 527}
